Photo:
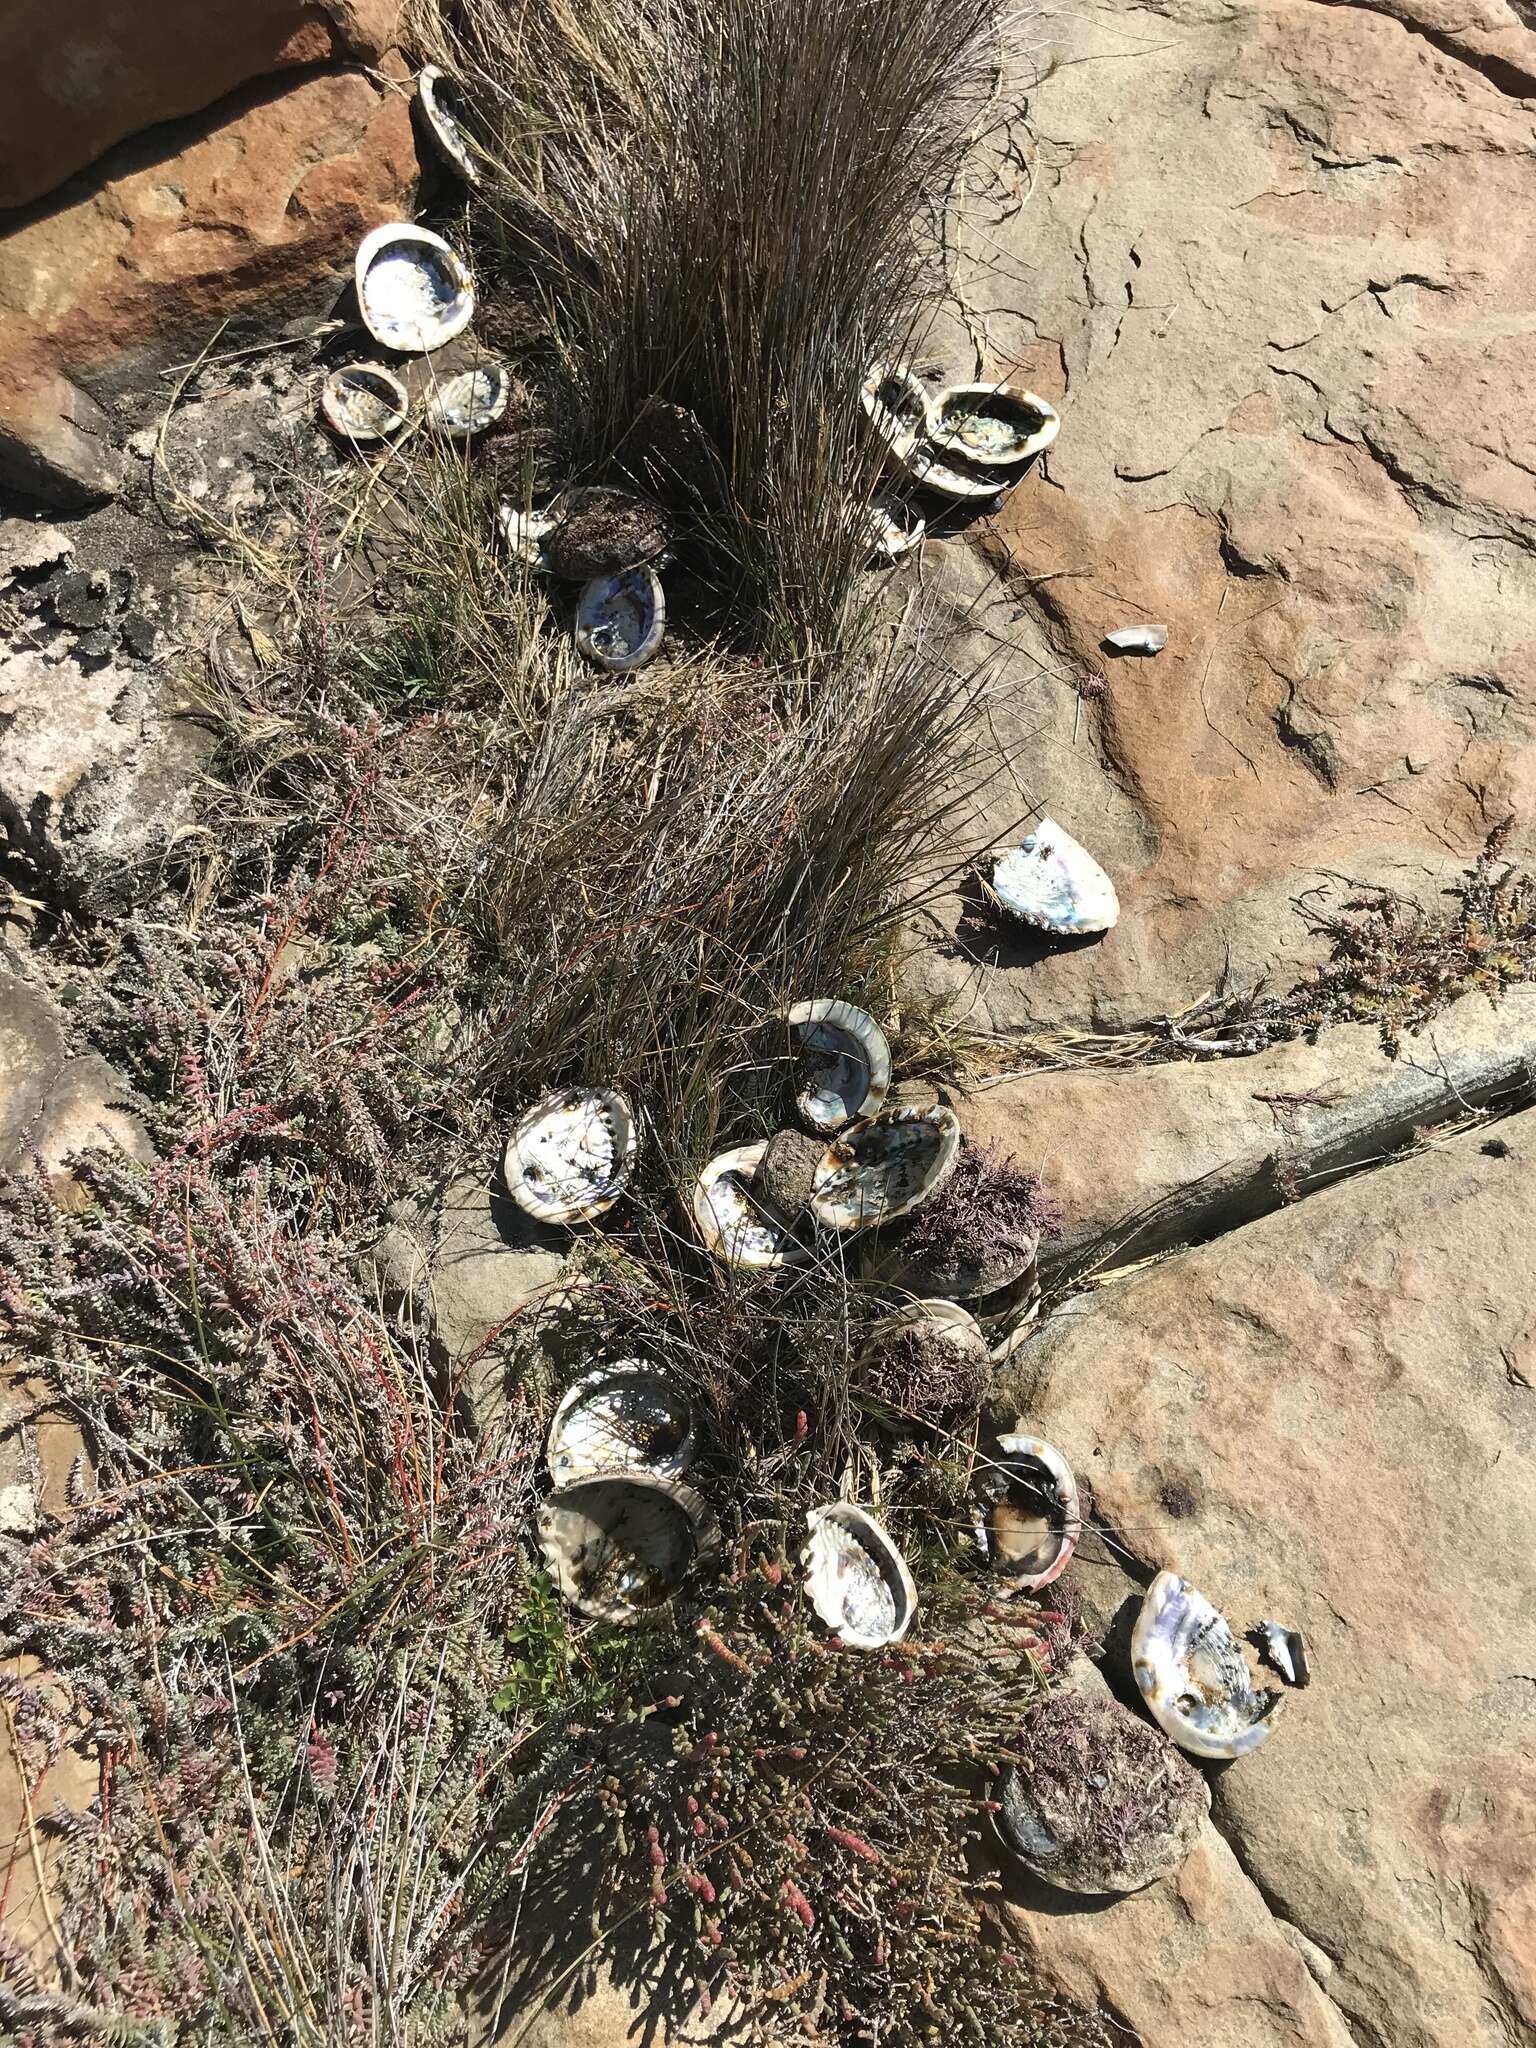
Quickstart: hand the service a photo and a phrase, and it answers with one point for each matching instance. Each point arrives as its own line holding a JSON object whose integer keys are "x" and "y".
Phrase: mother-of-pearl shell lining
{"x": 471, "y": 401}
{"x": 851, "y": 1057}
{"x": 897, "y": 406}
{"x": 569, "y": 1157}
{"x": 413, "y": 290}
{"x": 885, "y": 1167}
{"x": 993, "y": 425}
{"x": 628, "y": 1416}
{"x": 1036, "y": 1467}
{"x": 620, "y": 619}
{"x": 1193, "y": 1674}
{"x": 856, "y": 1578}
{"x": 1051, "y": 881}
{"x": 364, "y": 402}
{"x": 620, "y": 1544}
{"x": 734, "y": 1220}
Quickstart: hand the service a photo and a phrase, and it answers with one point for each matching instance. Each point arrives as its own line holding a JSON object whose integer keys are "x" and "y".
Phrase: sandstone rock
{"x": 1139, "y": 1159}
{"x": 202, "y": 221}
{"x": 1099, "y": 1802}
{"x": 1195, "y": 1961}
{"x": 56, "y": 443}
{"x": 54, "y": 1103}
{"x": 31, "y": 1785}
{"x": 70, "y": 90}
{"x": 607, "y": 2014}
{"x": 1326, "y": 1418}
{"x": 1252, "y": 279}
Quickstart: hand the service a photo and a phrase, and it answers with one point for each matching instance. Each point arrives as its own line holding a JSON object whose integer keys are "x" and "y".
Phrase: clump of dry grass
{"x": 723, "y": 208}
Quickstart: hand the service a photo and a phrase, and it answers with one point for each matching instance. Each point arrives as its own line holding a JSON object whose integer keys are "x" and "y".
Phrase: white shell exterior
{"x": 1137, "y": 639}
{"x": 570, "y": 1156}
{"x": 994, "y": 425}
{"x": 364, "y": 402}
{"x": 620, "y": 1544}
{"x": 527, "y": 534}
{"x": 1051, "y": 881}
{"x": 413, "y": 290}
{"x": 625, "y": 1417}
{"x": 853, "y": 1062}
{"x": 885, "y": 1166}
{"x": 620, "y": 620}
{"x": 436, "y": 94}
{"x": 898, "y": 406}
{"x": 468, "y": 403}
{"x": 856, "y": 1578}
{"x": 1193, "y": 1674}
{"x": 740, "y": 1227}
{"x": 1066, "y": 1518}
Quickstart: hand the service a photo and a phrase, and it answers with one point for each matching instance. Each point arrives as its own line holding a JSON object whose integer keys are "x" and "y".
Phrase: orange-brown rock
{"x": 173, "y": 233}
{"x": 72, "y": 85}
{"x": 1275, "y": 267}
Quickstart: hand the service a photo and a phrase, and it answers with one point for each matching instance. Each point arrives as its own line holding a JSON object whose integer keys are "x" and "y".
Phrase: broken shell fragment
{"x": 620, "y": 620}
{"x": 364, "y": 402}
{"x": 570, "y": 1156}
{"x": 440, "y": 107}
{"x": 467, "y": 404}
{"x": 844, "y": 1062}
{"x": 1193, "y": 1674}
{"x": 856, "y": 1578}
{"x": 884, "y": 1167}
{"x": 1137, "y": 639}
{"x": 413, "y": 290}
{"x": 1030, "y": 1515}
{"x": 624, "y": 1417}
{"x": 887, "y": 527}
{"x": 527, "y": 535}
{"x": 733, "y": 1216}
{"x": 1284, "y": 1650}
{"x": 993, "y": 424}
{"x": 1052, "y": 882}
{"x": 620, "y": 1544}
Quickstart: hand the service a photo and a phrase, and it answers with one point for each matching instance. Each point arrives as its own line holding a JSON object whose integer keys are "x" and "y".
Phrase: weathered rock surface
{"x": 120, "y": 66}
{"x": 476, "y": 1271}
{"x": 1152, "y": 1156}
{"x": 56, "y": 442}
{"x": 1254, "y": 264}
{"x": 96, "y": 774}
{"x": 54, "y": 1102}
{"x": 1326, "y": 1419}
{"x": 175, "y": 232}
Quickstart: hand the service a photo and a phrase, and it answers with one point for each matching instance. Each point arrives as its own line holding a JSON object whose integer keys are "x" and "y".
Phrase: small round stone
{"x": 789, "y": 1169}
{"x": 1099, "y": 1802}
